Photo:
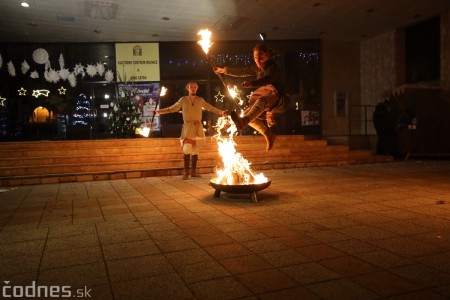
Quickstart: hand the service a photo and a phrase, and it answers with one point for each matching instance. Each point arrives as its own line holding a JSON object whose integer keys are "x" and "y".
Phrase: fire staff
{"x": 192, "y": 133}
{"x": 270, "y": 97}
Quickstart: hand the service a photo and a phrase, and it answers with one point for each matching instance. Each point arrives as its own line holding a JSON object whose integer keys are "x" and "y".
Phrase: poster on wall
{"x": 137, "y": 62}
{"x": 310, "y": 117}
{"x": 146, "y": 97}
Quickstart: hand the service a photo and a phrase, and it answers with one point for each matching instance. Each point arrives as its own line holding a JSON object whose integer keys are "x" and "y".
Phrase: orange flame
{"x": 205, "y": 42}
{"x": 144, "y": 131}
{"x": 233, "y": 91}
{"x": 163, "y": 91}
{"x": 236, "y": 169}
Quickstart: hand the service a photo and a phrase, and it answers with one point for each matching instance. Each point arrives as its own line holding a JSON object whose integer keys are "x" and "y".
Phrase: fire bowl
{"x": 239, "y": 188}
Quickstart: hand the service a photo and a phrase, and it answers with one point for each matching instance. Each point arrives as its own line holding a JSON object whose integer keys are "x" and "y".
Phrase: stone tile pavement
{"x": 379, "y": 231}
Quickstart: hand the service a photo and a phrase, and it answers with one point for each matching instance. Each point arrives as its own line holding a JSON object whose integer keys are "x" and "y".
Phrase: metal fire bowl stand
{"x": 240, "y": 188}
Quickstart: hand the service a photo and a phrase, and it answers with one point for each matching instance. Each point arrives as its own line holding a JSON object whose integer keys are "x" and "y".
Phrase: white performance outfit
{"x": 192, "y": 133}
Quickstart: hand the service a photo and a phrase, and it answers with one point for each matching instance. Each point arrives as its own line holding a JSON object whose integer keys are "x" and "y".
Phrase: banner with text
{"x": 137, "y": 62}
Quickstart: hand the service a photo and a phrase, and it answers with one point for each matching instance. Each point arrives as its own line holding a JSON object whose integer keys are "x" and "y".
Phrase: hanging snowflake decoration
{"x": 100, "y": 69}
{"x": 72, "y": 80}
{"x": 25, "y": 67}
{"x": 47, "y": 65}
{"x": 61, "y": 61}
{"x": 11, "y": 69}
{"x": 64, "y": 73}
{"x": 79, "y": 69}
{"x": 46, "y": 76}
{"x": 109, "y": 76}
{"x": 51, "y": 76}
{"x": 91, "y": 70}
{"x": 34, "y": 75}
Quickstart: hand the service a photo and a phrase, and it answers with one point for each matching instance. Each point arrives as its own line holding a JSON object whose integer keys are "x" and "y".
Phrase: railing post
{"x": 365, "y": 119}
{"x": 350, "y": 120}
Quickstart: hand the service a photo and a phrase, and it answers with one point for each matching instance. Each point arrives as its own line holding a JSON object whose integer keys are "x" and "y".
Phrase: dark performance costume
{"x": 270, "y": 96}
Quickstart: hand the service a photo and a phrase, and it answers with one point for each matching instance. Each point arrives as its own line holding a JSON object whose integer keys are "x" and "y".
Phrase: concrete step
{"x": 65, "y": 161}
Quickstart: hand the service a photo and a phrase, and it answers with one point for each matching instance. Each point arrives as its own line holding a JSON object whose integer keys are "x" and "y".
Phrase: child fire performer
{"x": 192, "y": 133}
{"x": 269, "y": 97}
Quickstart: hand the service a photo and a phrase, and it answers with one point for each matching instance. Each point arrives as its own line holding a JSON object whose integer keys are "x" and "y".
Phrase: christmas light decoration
{"x": 62, "y": 90}
{"x": 219, "y": 97}
{"x": 22, "y": 92}
{"x": 37, "y": 93}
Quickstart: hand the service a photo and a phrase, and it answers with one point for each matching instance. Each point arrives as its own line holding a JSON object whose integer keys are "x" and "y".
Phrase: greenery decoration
{"x": 125, "y": 114}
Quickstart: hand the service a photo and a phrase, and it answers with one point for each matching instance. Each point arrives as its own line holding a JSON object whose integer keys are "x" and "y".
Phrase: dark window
{"x": 422, "y": 51}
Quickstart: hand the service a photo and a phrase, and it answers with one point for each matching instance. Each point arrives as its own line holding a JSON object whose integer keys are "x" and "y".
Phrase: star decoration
{"x": 22, "y": 92}
{"x": 219, "y": 97}
{"x": 2, "y": 101}
{"x": 62, "y": 90}
{"x": 37, "y": 93}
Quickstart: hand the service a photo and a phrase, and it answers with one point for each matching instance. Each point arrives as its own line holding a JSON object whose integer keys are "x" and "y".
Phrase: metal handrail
{"x": 363, "y": 119}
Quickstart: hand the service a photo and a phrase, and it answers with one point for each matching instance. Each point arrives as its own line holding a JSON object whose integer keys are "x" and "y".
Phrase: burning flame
{"x": 235, "y": 94}
{"x": 163, "y": 91}
{"x": 233, "y": 91}
{"x": 236, "y": 169}
{"x": 205, "y": 42}
{"x": 145, "y": 130}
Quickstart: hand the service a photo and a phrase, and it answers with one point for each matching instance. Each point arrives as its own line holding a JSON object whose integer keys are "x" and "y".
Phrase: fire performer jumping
{"x": 268, "y": 100}
{"x": 192, "y": 133}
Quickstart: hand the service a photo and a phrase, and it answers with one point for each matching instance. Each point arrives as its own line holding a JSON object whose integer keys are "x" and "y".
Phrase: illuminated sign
{"x": 137, "y": 62}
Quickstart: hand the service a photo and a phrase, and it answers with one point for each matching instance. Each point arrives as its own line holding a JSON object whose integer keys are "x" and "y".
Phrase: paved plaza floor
{"x": 378, "y": 231}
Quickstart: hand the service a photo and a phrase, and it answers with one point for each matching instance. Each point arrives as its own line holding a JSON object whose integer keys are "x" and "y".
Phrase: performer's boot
{"x": 270, "y": 138}
{"x": 251, "y": 114}
{"x": 194, "y": 166}
{"x": 238, "y": 121}
{"x": 187, "y": 158}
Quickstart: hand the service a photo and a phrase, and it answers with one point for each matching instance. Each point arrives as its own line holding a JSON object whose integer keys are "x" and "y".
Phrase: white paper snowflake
{"x": 53, "y": 75}
{"x": 61, "y": 61}
{"x": 72, "y": 80}
{"x": 47, "y": 76}
{"x": 78, "y": 69}
{"x": 100, "y": 69}
{"x": 91, "y": 70}
{"x": 109, "y": 76}
{"x": 25, "y": 67}
{"x": 34, "y": 75}
{"x": 64, "y": 73}
{"x": 11, "y": 69}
